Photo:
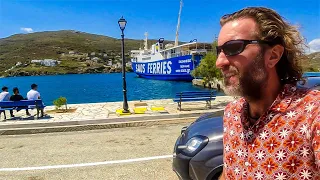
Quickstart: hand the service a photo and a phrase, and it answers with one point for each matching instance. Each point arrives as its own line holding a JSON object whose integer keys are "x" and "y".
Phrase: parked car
{"x": 311, "y": 80}
{"x": 198, "y": 152}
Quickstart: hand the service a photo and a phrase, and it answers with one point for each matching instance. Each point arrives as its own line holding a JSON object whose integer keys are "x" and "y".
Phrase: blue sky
{"x": 199, "y": 20}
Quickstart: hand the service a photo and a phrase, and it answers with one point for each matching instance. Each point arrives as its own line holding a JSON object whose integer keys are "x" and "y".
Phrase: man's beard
{"x": 251, "y": 82}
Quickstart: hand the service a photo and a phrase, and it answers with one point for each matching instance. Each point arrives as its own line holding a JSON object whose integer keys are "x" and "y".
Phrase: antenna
{"x": 178, "y": 25}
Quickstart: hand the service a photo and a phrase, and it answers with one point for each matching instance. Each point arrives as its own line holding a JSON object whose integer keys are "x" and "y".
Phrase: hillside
{"x": 313, "y": 62}
{"x": 53, "y": 45}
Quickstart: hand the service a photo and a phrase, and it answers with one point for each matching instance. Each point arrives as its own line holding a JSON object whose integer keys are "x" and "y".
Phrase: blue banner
{"x": 173, "y": 66}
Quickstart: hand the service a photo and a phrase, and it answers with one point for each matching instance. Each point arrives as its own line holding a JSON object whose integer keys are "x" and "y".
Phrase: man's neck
{"x": 269, "y": 93}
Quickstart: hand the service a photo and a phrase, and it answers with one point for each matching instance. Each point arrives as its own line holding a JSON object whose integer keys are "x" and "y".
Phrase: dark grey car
{"x": 198, "y": 152}
{"x": 311, "y": 81}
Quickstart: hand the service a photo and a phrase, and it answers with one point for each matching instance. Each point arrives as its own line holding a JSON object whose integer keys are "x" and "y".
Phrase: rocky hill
{"x": 313, "y": 62}
{"x": 77, "y": 52}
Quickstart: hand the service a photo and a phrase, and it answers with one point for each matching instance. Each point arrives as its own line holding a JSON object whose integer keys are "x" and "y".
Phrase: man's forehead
{"x": 245, "y": 28}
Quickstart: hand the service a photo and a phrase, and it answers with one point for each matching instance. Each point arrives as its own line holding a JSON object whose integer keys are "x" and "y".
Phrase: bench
{"x": 19, "y": 105}
{"x": 187, "y": 96}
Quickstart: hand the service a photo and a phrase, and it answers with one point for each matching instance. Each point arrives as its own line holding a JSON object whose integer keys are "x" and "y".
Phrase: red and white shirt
{"x": 284, "y": 143}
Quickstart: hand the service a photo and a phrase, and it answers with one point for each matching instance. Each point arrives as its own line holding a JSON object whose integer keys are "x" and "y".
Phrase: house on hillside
{"x": 46, "y": 62}
{"x": 128, "y": 64}
{"x": 95, "y": 59}
{"x": 36, "y": 61}
{"x": 18, "y": 64}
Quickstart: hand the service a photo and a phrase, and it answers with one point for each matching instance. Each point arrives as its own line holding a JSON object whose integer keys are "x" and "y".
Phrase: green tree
{"x": 207, "y": 68}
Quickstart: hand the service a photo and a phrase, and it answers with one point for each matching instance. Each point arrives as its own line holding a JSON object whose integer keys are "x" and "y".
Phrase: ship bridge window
{"x": 146, "y": 58}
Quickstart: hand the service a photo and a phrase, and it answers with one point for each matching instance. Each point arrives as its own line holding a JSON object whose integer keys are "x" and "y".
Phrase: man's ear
{"x": 276, "y": 54}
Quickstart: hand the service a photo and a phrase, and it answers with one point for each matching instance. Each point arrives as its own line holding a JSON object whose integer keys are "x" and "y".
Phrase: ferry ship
{"x": 168, "y": 62}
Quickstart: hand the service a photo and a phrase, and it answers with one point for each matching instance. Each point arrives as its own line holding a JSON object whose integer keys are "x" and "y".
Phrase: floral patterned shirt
{"x": 284, "y": 143}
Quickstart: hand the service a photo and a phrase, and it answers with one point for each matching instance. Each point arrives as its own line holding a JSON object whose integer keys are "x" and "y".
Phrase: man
{"x": 5, "y": 96}
{"x": 273, "y": 130}
{"x": 17, "y": 97}
{"x": 33, "y": 94}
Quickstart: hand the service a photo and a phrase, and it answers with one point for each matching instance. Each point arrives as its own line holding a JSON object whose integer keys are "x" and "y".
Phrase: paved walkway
{"x": 96, "y": 111}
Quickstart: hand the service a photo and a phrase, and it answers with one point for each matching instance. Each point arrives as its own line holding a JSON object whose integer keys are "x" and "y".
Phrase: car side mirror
{"x": 184, "y": 129}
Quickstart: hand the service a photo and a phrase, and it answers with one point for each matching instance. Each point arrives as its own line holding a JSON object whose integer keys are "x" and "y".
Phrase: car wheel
{"x": 216, "y": 176}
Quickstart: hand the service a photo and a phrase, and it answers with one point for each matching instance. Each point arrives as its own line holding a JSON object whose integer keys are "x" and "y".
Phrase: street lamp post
{"x": 122, "y": 24}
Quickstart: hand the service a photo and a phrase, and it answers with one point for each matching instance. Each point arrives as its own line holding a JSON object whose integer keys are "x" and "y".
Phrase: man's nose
{"x": 222, "y": 60}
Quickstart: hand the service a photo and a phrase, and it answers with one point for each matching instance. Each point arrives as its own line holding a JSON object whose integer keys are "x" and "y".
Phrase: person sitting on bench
{"x": 33, "y": 94}
{"x": 17, "y": 97}
{"x": 5, "y": 96}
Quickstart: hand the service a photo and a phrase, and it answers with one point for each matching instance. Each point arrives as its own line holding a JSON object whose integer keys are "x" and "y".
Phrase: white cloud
{"x": 314, "y": 46}
{"x": 26, "y": 30}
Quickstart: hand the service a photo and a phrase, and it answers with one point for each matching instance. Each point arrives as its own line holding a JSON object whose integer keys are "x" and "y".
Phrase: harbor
{"x": 101, "y": 113}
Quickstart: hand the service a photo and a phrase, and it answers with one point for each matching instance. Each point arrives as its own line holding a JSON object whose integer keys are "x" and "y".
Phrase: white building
{"x": 19, "y": 63}
{"x": 128, "y": 64}
{"x": 46, "y": 62}
{"x": 95, "y": 59}
{"x": 36, "y": 61}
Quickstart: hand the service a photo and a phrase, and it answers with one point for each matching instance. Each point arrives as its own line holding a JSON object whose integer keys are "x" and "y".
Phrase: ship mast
{"x": 146, "y": 41}
{"x": 178, "y": 26}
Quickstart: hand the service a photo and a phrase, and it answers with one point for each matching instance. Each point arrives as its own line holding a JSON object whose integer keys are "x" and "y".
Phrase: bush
{"x": 207, "y": 68}
{"x": 60, "y": 102}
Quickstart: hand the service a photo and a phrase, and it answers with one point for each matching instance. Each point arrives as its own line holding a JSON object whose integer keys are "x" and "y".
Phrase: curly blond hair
{"x": 273, "y": 28}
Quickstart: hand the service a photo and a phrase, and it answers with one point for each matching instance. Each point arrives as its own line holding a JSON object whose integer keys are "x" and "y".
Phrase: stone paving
{"x": 95, "y": 111}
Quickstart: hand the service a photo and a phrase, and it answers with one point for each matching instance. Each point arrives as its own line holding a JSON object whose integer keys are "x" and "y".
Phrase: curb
{"x": 35, "y": 128}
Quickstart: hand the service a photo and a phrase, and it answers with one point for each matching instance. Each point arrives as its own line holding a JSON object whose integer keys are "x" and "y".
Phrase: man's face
{"x": 244, "y": 74}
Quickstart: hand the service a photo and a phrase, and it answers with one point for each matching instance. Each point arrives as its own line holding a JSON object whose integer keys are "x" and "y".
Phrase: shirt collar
{"x": 280, "y": 104}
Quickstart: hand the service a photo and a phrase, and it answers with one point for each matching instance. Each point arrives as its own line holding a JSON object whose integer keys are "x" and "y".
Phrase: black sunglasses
{"x": 235, "y": 47}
